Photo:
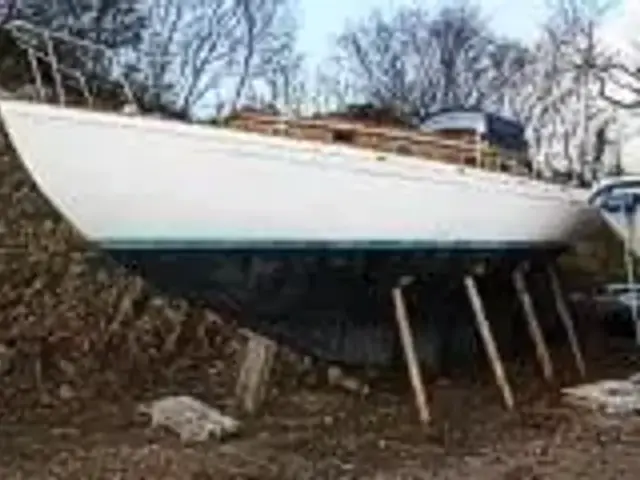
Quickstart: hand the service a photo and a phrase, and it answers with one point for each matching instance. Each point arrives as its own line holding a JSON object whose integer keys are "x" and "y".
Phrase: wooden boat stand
{"x": 260, "y": 352}
{"x": 486, "y": 334}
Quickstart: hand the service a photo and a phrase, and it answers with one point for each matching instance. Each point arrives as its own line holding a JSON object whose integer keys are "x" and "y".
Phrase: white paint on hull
{"x": 119, "y": 179}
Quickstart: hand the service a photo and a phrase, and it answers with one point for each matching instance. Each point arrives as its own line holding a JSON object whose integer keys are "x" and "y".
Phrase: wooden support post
{"x": 255, "y": 372}
{"x": 542, "y": 352}
{"x": 488, "y": 340}
{"x": 408, "y": 345}
{"x": 565, "y": 317}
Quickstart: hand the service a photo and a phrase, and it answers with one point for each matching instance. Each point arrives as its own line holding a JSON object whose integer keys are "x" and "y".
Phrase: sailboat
{"x": 144, "y": 184}
{"x": 201, "y": 211}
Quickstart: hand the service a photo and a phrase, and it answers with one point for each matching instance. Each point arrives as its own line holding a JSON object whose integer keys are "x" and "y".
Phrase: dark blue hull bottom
{"x": 333, "y": 303}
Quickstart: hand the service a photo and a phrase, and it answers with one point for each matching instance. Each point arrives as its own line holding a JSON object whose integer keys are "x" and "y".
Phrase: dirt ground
{"x": 319, "y": 432}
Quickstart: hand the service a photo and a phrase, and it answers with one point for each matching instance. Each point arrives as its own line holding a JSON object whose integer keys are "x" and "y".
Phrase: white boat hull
{"x": 134, "y": 182}
{"x": 618, "y": 200}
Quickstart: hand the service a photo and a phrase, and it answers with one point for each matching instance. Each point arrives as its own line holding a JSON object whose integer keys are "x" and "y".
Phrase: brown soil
{"x": 318, "y": 432}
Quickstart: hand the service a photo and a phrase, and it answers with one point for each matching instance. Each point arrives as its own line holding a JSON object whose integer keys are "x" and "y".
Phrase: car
{"x": 624, "y": 295}
{"x": 614, "y": 304}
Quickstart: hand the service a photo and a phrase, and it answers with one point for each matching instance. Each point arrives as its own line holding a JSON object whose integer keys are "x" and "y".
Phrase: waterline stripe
{"x": 332, "y": 245}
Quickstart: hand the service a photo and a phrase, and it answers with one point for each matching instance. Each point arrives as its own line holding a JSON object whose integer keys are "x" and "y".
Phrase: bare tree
{"x": 85, "y": 37}
{"x": 112, "y": 23}
{"x": 556, "y": 93}
{"x": 421, "y": 62}
{"x": 619, "y": 69}
{"x": 331, "y": 87}
{"x": 278, "y": 79}
{"x": 201, "y": 56}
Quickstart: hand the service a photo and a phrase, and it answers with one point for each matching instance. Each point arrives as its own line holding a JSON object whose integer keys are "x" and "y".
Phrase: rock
{"x": 191, "y": 419}
{"x": 68, "y": 368}
{"x": 66, "y": 392}
{"x": 6, "y": 359}
{"x": 610, "y": 396}
{"x": 336, "y": 377}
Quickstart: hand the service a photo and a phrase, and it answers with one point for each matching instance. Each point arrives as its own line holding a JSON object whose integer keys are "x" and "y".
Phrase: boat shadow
{"x": 338, "y": 307}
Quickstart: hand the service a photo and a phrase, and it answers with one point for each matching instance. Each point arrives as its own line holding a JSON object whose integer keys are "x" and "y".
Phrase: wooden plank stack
{"x": 462, "y": 149}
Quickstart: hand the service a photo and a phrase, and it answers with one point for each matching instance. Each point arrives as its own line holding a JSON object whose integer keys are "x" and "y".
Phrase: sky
{"x": 323, "y": 19}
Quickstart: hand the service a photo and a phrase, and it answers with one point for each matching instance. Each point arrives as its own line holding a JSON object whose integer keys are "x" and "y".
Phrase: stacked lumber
{"x": 457, "y": 147}
{"x": 462, "y": 149}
